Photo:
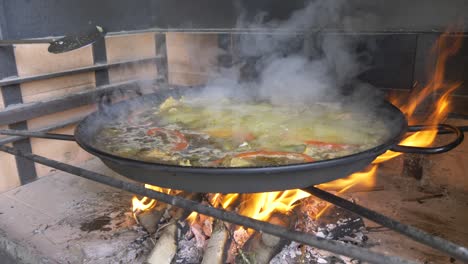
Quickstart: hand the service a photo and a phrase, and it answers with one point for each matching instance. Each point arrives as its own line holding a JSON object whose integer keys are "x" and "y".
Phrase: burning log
{"x": 149, "y": 219}
{"x": 217, "y": 245}
{"x": 166, "y": 246}
{"x": 264, "y": 247}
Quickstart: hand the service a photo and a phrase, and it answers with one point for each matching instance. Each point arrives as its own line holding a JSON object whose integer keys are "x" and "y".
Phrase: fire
{"x": 145, "y": 203}
{"x": 447, "y": 45}
{"x": 260, "y": 206}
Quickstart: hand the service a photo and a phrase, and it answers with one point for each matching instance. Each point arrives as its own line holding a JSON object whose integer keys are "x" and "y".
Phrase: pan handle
{"x": 23, "y": 133}
{"x": 432, "y": 150}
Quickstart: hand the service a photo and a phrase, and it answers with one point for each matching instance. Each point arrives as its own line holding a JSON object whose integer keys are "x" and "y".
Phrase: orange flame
{"x": 446, "y": 46}
{"x": 261, "y": 205}
{"x": 145, "y": 203}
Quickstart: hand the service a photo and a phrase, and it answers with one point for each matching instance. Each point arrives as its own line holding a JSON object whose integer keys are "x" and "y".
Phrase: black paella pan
{"x": 242, "y": 179}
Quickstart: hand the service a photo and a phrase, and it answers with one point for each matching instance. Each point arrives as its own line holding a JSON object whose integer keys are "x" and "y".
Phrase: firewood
{"x": 166, "y": 246}
{"x": 262, "y": 246}
{"x": 149, "y": 219}
{"x": 217, "y": 245}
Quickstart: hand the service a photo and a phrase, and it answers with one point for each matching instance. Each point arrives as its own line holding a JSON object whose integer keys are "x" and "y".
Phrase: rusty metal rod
{"x": 452, "y": 249}
{"x": 329, "y": 245}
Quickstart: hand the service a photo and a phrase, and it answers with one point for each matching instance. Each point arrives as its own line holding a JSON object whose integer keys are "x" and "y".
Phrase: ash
{"x": 335, "y": 224}
{"x": 298, "y": 253}
{"x": 189, "y": 251}
{"x": 100, "y": 231}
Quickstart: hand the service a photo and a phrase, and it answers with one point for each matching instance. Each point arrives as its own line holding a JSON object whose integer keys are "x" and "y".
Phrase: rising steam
{"x": 285, "y": 71}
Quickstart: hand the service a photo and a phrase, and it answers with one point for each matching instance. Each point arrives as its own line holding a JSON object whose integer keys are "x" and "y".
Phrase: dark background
{"x": 29, "y": 18}
{"x": 403, "y": 31}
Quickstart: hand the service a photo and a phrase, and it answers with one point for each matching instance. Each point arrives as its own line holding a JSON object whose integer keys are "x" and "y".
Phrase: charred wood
{"x": 167, "y": 245}
{"x": 262, "y": 247}
{"x": 337, "y": 223}
{"x": 149, "y": 219}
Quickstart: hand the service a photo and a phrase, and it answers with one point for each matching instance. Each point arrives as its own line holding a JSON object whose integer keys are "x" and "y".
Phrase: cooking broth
{"x": 239, "y": 134}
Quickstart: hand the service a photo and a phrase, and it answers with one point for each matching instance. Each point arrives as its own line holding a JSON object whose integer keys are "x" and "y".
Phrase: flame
{"x": 192, "y": 218}
{"x": 260, "y": 206}
{"x": 145, "y": 203}
{"x": 446, "y": 46}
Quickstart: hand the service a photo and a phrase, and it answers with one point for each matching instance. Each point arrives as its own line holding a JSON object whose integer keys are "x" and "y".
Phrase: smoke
{"x": 282, "y": 70}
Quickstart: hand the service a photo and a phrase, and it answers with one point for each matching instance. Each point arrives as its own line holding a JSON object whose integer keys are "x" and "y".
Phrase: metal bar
{"x": 100, "y": 57}
{"x": 22, "y": 112}
{"x": 26, "y": 169}
{"x": 12, "y": 95}
{"x": 7, "y": 140}
{"x": 36, "y": 134}
{"x": 329, "y": 245}
{"x": 96, "y": 67}
{"x": 101, "y": 75}
{"x": 7, "y": 42}
{"x": 452, "y": 249}
{"x": 462, "y": 128}
{"x": 276, "y": 31}
{"x": 161, "y": 51}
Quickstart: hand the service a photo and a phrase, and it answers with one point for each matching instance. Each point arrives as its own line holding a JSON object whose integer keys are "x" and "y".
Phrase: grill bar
{"x": 37, "y": 134}
{"x": 329, "y": 245}
{"x": 59, "y": 125}
{"x": 418, "y": 235}
{"x": 96, "y": 67}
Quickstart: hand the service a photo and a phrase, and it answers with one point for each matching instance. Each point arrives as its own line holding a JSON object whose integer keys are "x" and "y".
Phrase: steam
{"x": 287, "y": 72}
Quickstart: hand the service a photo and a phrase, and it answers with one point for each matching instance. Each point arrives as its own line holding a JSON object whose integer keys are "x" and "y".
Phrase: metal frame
{"x": 24, "y": 112}
{"x": 454, "y": 250}
{"x": 232, "y": 217}
{"x": 16, "y": 114}
{"x": 97, "y": 67}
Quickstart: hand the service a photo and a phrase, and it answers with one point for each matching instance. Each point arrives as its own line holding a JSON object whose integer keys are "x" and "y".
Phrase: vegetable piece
{"x": 334, "y": 146}
{"x": 174, "y": 137}
{"x": 273, "y": 154}
{"x": 263, "y": 158}
{"x": 169, "y": 103}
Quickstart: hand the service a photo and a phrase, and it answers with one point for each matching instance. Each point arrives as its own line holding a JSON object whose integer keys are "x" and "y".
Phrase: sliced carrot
{"x": 327, "y": 144}
{"x": 180, "y": 143}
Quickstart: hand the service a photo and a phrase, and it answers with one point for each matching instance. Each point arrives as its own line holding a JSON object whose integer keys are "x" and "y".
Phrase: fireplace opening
{"x": 402, "y": 202}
